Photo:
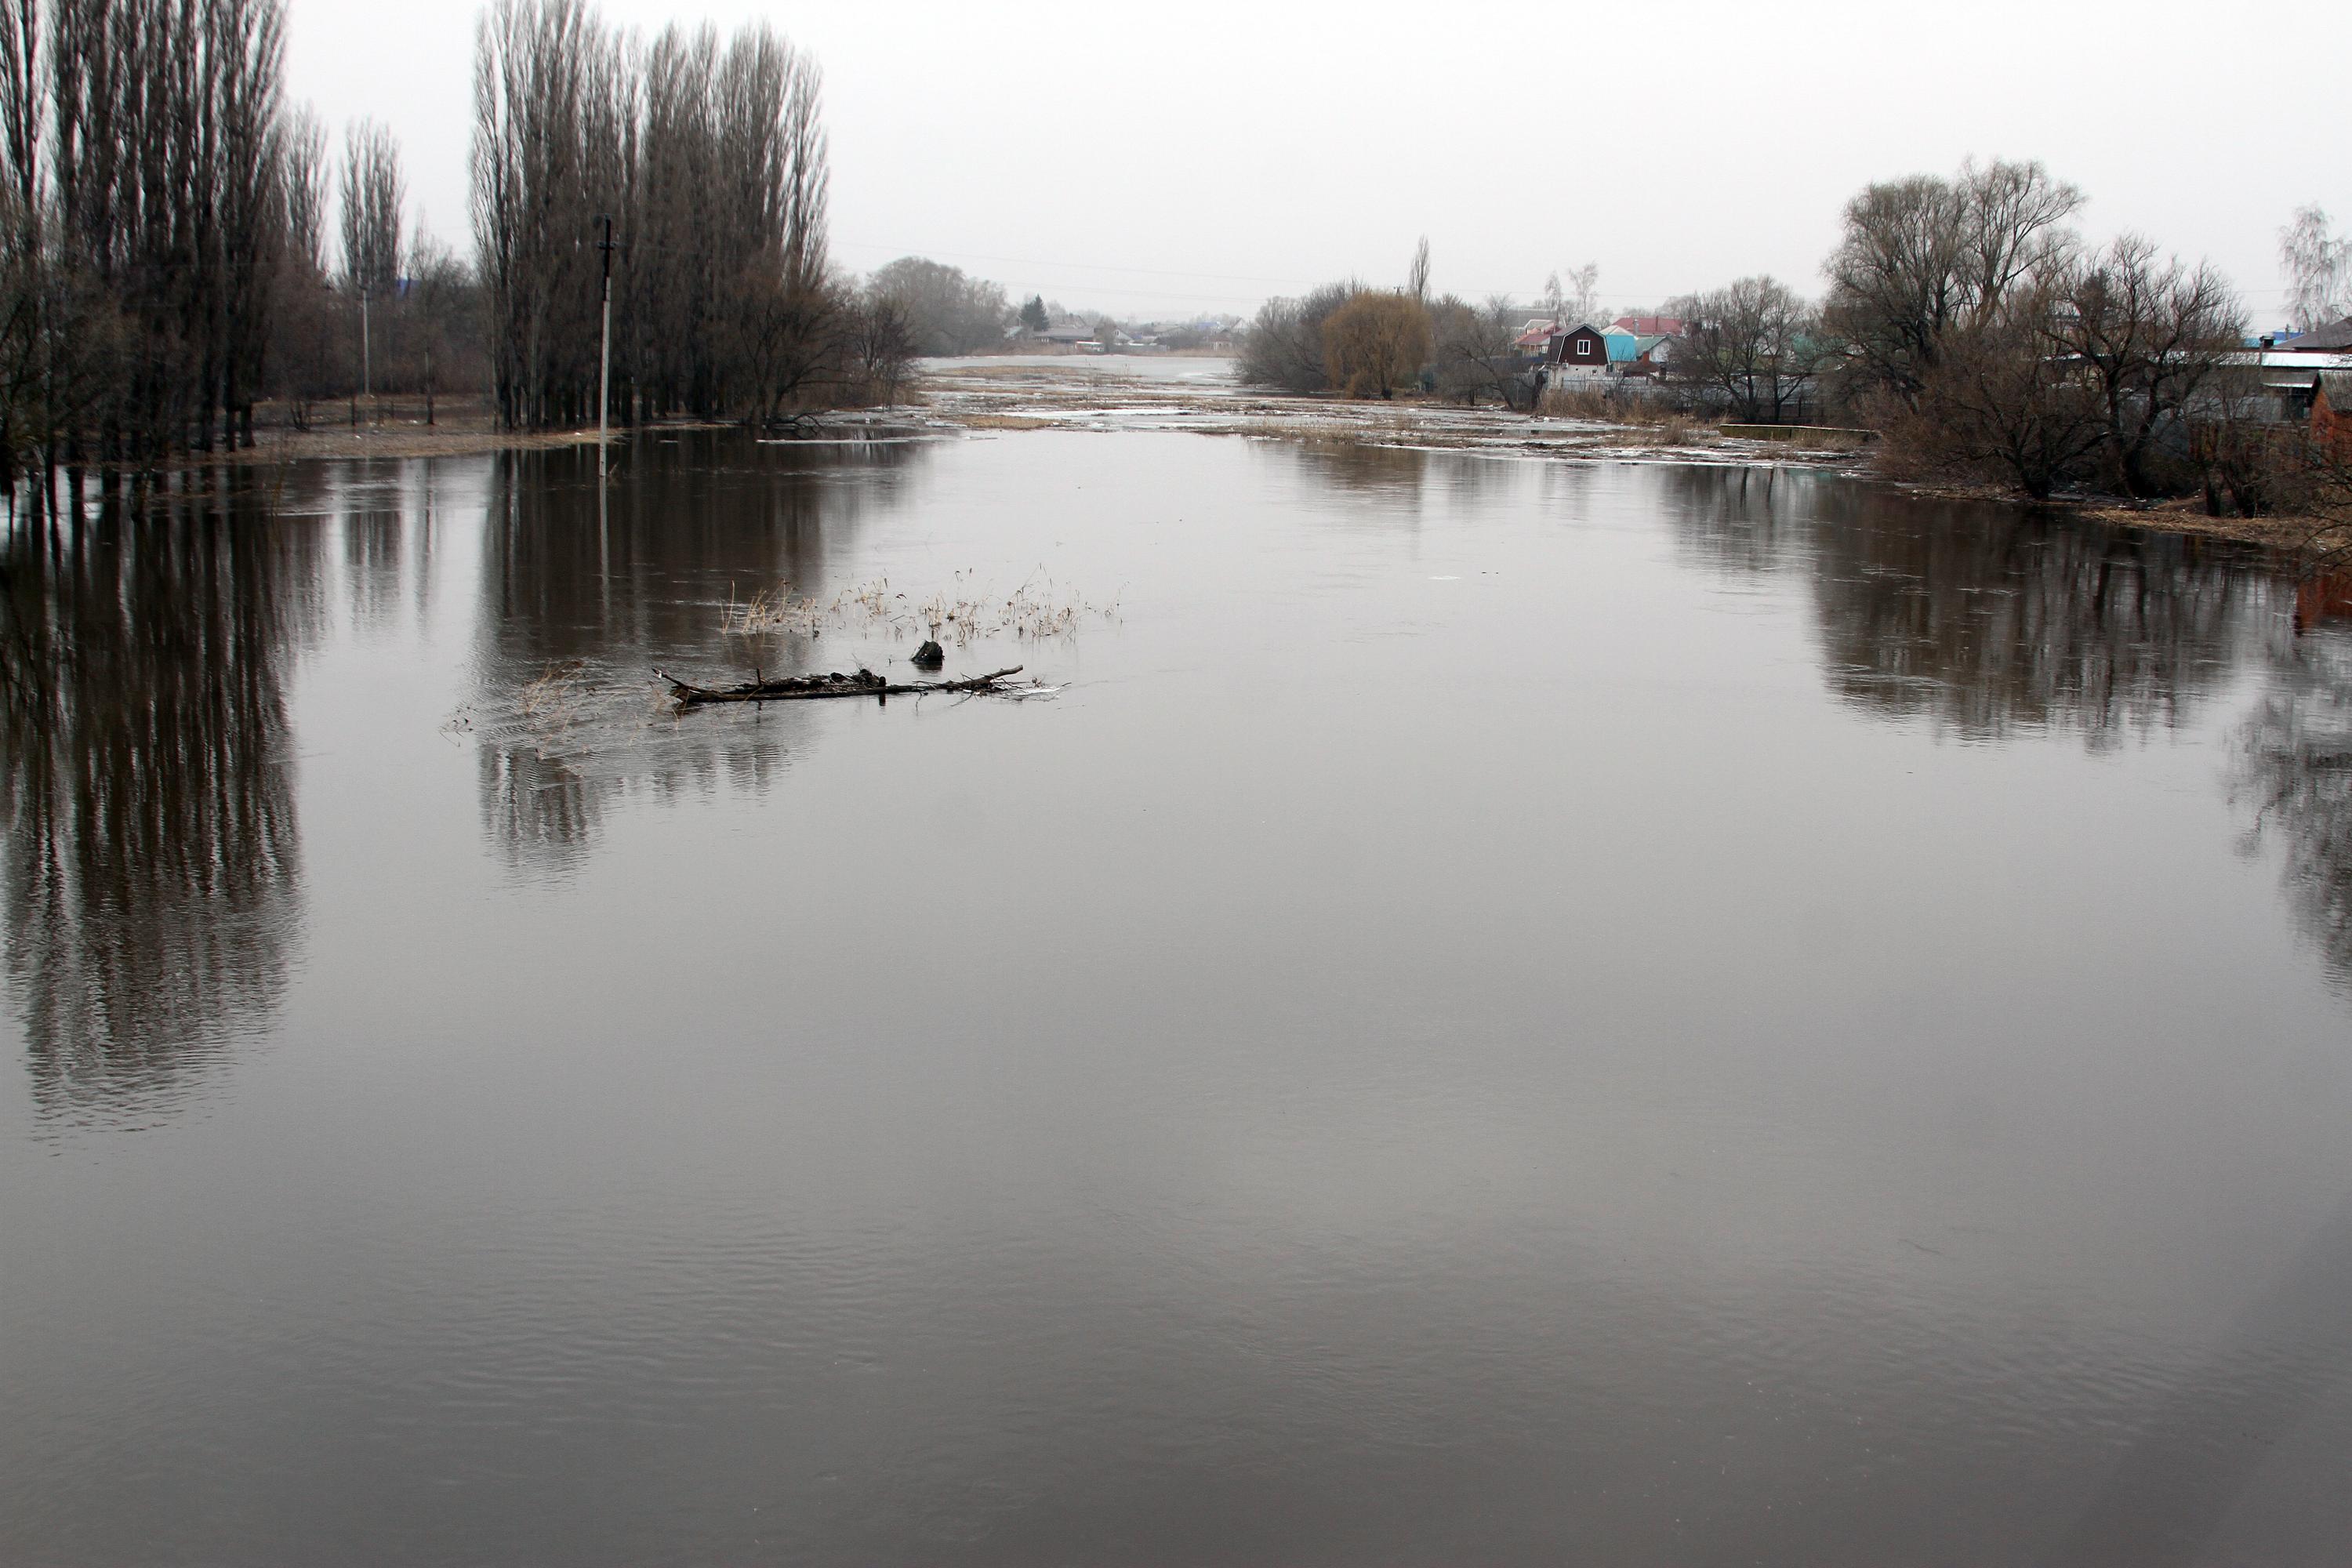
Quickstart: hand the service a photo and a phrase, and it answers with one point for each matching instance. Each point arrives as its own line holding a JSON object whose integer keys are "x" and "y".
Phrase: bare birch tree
{"x": 2318, "y": 267}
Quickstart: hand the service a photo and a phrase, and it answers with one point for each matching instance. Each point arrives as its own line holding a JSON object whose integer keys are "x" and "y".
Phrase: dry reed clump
{"x": 1636, "y": 409}
{"x": 1036, "y": 611}
{"x": 557, "y": 706}
{"x": 1828, "y": 440}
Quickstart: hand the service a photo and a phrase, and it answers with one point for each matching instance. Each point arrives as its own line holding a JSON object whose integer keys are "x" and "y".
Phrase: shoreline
{"x": 1040, "y": 394}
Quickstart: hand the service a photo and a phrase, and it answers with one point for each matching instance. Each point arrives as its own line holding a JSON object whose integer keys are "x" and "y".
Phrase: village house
{"x": 2286, "y": 380}
{"x": 1577, "y": 351}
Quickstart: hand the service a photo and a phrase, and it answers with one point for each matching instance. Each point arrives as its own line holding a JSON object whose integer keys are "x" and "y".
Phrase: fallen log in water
{"x": 864, "y": 683}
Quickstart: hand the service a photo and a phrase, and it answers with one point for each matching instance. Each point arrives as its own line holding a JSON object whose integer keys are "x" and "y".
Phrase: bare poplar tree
{"x": 158, "y": 125}
{"x": 371, "y": 198}
{"x": 26, "y": 404}
{"x": 710, "y": 161}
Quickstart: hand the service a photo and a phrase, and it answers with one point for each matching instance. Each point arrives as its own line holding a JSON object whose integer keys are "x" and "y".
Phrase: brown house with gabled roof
{"x": 1579, "y": 348}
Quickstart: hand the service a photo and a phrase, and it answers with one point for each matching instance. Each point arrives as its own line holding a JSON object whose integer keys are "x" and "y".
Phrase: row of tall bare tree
{"x": 165, "y": 260}
{"x": 144, "y": 223}
{"x": 708, "y": 161}
{"x": 178, "y": 242}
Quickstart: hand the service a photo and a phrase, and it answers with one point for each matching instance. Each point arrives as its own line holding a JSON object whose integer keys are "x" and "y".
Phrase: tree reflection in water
{"x": 600, "y": 595}
{"x": 1360, "y": 469}
{"x": 154, "y": 864}
{"x": 2294, "y": 773}
{"x": 1984, "y": 618}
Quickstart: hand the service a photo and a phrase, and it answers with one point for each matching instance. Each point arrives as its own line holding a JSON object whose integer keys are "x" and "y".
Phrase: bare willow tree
{"x": 307, "y": 354}
{"x": 1923, "y": 258}
{"x": 1283, "y": 343}
{"x": 2147, "y": 335}
{"x": 1999, "y": 404}
{"x": 1474, "y": 349}
{"x": 948, "y": 310}
{"x": 2100, "y": 368}
{"x": 1375, "y": 343}
{"x": 1755, "y": 342}
{"x": 711, "y": 164}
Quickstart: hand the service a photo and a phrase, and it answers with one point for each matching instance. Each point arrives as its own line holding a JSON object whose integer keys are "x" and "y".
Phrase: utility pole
{"x": 367, "y": 382}
{"x": 604, "y": 358}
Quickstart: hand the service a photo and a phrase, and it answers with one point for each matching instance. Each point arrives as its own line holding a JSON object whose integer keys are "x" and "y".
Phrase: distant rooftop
{"x": 2335, "y": 336}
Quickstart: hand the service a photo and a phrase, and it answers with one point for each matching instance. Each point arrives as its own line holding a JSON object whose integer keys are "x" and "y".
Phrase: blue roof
{"x": 1623, "y": 347}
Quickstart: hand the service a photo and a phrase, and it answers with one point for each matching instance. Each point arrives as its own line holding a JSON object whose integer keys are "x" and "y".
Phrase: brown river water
{"x": 1495, "y": 1011}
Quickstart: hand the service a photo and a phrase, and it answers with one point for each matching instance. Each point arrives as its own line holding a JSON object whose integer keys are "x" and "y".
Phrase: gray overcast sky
{"x": 1153, "y": 160}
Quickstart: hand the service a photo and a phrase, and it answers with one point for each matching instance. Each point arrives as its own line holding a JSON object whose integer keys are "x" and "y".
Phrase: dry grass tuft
{"x": 557, "y": 706}
{"x": 1036, "y": 611}
{"x": 1631, "y": 409}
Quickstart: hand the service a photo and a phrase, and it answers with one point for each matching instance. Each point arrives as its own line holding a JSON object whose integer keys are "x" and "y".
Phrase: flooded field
{"x": 1497, "y": 1010}
{"x": 1201, "y": 394}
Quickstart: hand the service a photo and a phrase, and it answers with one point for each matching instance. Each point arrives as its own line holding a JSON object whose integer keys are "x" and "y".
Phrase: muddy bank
{"x": 2306, "y": 539}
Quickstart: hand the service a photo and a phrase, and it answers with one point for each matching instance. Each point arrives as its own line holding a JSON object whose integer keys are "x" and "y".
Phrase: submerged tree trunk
{"x": 864, "y": 683}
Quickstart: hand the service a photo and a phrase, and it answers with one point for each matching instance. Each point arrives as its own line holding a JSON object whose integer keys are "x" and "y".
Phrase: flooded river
{"x": 1499, "y": 1011}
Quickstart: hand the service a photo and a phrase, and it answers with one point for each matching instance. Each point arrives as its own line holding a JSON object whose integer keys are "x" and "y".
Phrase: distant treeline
{"x": 1964, "y": 318}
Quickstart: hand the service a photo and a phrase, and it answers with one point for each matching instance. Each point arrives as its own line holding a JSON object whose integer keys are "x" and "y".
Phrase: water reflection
{"x": 1986, "y": 619}
{"x": 1392, "y": 475}
{"x": 581, "y": 601}
{"x": 2293, "y": 774}
{"x": 154, "y": 864}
